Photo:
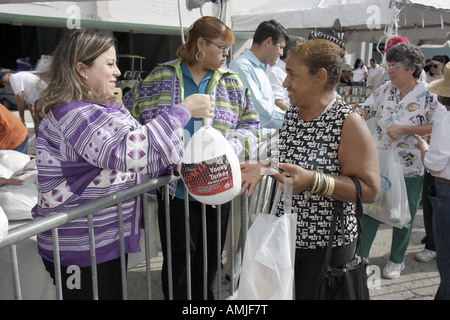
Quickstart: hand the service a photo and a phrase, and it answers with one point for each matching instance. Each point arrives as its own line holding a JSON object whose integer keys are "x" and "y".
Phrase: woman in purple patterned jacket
{"x": 89, "y": 145}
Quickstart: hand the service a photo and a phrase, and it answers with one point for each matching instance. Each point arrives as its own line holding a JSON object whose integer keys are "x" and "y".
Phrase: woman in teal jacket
{"x": 199, "y": 70}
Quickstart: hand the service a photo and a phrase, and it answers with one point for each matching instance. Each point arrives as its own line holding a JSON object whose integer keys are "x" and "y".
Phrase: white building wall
{"x": 50, "y": 9}
{"x": 138, "y": 15}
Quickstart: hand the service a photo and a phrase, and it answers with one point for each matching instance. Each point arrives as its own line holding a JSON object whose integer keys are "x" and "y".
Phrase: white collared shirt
{"x": 253, "y": 74}
{"x": 277, "y": 74}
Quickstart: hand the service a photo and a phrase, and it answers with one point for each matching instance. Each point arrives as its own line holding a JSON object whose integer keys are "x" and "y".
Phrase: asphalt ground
{"x": 418, "y": 281}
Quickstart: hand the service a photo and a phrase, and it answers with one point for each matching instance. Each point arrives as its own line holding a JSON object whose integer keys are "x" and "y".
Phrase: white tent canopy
{"x": 421, "y": 21}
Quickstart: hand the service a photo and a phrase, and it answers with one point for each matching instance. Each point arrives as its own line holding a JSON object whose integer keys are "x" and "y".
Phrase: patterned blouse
{"x": 314, "y": 145}
{"x": 418, "y": 107}
{"x": 235, "y": 114}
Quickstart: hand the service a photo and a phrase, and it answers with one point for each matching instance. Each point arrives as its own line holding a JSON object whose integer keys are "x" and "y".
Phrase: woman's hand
{"x": 252, "y": 174}
{"x": 395, "y": 132}
{"x": 201, "y": 105}
{"x": 302, "y": 178}
{"x": 421, "y": 144}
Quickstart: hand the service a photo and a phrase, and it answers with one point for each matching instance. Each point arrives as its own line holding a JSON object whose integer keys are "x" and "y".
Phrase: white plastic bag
{"x": 267, "y": 271}
{"x": 210, "y": 168}
{"x": 392, "y": 205}
{"x": 13, "y": 160}
{"x": 3, "y": 224}
{"x": 18, "y": 200}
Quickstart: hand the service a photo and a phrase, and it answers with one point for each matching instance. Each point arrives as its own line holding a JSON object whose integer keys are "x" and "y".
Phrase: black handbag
{"x": 350, "y": 281}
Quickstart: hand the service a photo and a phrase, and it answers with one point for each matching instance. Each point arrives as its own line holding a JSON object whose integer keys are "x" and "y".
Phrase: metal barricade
{"x": 52, "y": 222}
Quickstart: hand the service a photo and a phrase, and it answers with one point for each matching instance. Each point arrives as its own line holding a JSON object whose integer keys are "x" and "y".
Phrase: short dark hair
{"x": 291, "y": 43}
{"x": 319, "y": 54}
{"x": 270, "y": 29}
{"x": 444, "y": 101}
{"x": 409, "y": 55}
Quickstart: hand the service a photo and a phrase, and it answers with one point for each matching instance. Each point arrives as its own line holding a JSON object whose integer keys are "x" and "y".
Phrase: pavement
{"x": 418, "y": 281}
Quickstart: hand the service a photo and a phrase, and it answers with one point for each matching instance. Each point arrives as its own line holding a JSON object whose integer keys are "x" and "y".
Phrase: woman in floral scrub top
{"x": 406, "y": 108}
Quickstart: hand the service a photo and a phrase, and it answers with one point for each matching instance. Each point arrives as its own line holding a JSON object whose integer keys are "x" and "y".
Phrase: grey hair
{"x": 409, "y": 55}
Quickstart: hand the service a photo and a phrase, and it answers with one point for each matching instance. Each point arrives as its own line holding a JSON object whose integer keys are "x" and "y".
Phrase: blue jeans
{"x": 441, "y": 227}
{"x": 23, "y": 147}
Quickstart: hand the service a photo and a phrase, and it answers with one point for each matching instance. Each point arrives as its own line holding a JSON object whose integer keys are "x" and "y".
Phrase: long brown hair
{"x": 208, "y": 28}
{"x": 64, "y": 84}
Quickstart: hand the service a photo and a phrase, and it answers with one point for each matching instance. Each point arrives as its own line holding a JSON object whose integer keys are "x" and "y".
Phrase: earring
{"x": 85, "y": 78}
{"x": 203, "y": 58}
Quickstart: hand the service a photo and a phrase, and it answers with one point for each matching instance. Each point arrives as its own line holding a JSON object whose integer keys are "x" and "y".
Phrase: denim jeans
{"x": 441, "y": 227}
{"x": 23, "y": 147}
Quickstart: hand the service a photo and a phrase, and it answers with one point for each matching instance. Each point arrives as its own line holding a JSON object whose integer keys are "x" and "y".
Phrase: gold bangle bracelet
{"x": 323, "y": 183}
{"x": 316, "y": 180}
{"x": 330, "y": 186}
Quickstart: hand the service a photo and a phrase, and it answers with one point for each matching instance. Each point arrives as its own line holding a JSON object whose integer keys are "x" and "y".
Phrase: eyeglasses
{"x": 434, "y": 66}
{"x": 223, "y": 48}
{"x": 394, "y": 66}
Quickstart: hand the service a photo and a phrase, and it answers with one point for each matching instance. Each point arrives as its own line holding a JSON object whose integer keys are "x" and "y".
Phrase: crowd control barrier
{"x": 242, "y": 208}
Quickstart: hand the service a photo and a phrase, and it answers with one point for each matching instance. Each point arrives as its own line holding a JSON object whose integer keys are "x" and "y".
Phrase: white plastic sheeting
{"x": 424, "y": 21}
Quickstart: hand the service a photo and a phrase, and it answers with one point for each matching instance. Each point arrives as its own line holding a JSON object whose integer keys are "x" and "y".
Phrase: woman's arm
{"x": 12, "y": 181}
{"x": 358, "y": 157}
{"x": 395, "y": 132}
{"x": 423, "y": 146}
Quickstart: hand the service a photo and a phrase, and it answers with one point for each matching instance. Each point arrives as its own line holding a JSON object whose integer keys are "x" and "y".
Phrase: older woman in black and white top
{"x": 320, "y": 135}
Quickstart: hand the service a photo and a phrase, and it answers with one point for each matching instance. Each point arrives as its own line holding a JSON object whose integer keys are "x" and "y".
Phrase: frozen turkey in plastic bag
{"x": 210, "y": 168}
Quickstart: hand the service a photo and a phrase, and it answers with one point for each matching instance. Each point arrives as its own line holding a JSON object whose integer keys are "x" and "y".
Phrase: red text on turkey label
{"x": 209, "y": 177}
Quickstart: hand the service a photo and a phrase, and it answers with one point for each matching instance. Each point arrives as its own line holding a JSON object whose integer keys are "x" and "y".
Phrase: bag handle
{"x": 288, "y": 195}
{"x": 209, "y": 121}
{"x": 287, "y": 190}
{"x": 339, "y": 210}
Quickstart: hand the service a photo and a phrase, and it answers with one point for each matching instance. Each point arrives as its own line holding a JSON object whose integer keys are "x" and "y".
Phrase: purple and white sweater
{"x": 87, "y": 150}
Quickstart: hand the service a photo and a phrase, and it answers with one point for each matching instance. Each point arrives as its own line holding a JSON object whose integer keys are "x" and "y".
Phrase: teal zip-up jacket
{"x": 235, "y": 114}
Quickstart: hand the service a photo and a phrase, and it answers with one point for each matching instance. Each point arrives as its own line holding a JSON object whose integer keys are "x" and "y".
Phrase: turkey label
{"x": 209, "y": 177}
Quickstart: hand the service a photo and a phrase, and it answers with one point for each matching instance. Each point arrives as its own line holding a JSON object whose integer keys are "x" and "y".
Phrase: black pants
{"x": 108, "y": 276}
{"x": 309, "y": 263}
{"x": 178, "y": 248}
{"x": 428, "y": 182}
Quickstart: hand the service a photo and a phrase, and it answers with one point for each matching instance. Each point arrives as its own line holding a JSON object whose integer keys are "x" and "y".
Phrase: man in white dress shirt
{"x": 269, "y": 40}
{"x": 277, "y": 74}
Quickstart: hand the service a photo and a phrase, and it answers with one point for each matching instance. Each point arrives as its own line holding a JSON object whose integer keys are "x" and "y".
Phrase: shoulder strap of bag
{"x": 359, "y": 213}
{"x": 339, "y": 210}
